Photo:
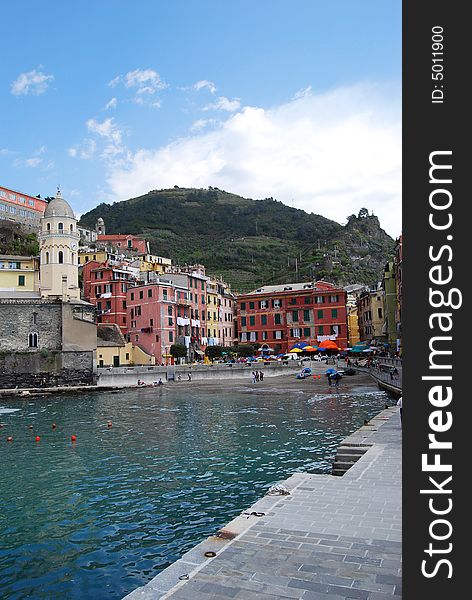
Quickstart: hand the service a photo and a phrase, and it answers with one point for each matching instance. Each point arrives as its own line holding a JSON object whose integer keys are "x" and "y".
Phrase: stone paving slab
{"x": 332, "y": 538}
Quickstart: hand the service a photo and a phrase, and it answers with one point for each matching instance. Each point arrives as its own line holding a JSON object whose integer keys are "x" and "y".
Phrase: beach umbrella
{"x": 296, "y": 349}
{"x": 310, "y": 349}
{"x": 330, "y": 371}
{"x": 329, "y": 345}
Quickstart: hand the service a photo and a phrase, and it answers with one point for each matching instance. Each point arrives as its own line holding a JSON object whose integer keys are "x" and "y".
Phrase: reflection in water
{"x": 101, "y": 516}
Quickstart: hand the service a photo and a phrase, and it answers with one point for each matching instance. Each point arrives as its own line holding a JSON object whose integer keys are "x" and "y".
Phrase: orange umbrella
{"x": 329, "y": 345}
{"x": 310, "y": 349}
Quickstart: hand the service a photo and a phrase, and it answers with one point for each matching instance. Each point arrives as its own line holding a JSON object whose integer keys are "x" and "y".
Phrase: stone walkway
{"x": 332, "y": 538}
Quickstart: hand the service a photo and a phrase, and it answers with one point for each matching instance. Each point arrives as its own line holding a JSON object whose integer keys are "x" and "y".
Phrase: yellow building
{"x": 353, "y": 326}
{"x": 98, "y": 255}
{"x": 150, "y": 262}
{"x": 19, "y": 273}
{"x": 212, "y": 310}
{"x": 114, "y": 351}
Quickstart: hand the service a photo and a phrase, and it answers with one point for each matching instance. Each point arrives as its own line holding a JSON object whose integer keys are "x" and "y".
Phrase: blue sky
{"x": 296, "y": 100}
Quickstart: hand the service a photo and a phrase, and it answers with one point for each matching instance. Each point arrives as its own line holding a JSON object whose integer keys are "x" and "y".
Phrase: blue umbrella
{"x": 330, "y": 371}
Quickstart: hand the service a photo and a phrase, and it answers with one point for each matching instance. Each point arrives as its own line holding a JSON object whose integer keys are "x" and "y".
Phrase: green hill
{"x": 250, "y": 242}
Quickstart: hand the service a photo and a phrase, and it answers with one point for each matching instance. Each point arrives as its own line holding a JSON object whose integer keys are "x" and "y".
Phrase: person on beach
{"x": 253, "y": 377}
{"x": 261, "y": 376}
{"x": 328, "y": 375}
{"x": 336, "y": 378}
{"x": 189, "y": 377}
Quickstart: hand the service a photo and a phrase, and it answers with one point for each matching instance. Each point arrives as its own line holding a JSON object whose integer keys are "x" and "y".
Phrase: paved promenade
{"x": 331, "y": 538}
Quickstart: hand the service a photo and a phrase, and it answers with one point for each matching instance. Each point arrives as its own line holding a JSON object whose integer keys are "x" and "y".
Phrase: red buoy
{"x": 54, "y": 426}
{"x": 109, "y": 424}
{"x": 319, "y": 376}
{"x": 73, "y": 438}
{"x": 9, "y": 438}
{"x": 38, "y": 439}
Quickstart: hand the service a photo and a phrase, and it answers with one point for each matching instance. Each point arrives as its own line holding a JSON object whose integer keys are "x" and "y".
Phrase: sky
{"x": 297, "y": 100}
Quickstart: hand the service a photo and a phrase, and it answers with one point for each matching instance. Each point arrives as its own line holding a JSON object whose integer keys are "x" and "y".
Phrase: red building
{"x": 125, "y": 242}
{"x": 105, "y": 286}
{"x": 151, "y": 313}
{"x": 21, "y": 208}
{"x": 279, "y": 316}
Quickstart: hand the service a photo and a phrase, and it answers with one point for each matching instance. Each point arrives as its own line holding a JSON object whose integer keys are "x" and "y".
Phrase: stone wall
{"x": 45, "y": 369}
{"x": 19, "y": 318}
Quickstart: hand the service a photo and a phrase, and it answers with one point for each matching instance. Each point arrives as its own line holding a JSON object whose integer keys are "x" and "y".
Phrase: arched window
{"x": 71, "y": 227}
{"x": 48, "y": 226}
{"x": 73, "y": 258}
{"x": 33, "y": 340}
{"x": 60, "y": 257}
{"x": 60, "y": 226}
{"x": 47, "y": 258}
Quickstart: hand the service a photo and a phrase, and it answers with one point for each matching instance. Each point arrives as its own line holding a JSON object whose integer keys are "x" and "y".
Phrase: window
{"x": 334, "y": 313}
{"x": 294, "y": 315}
{"x": 263, "y": 319}
{"x": 278, "y": 335}
{"x": 33, "y": 340}
{"x": 306, "y": 332}
{"x": 47, "y": 258}
{"x": 307, "y": 300}
{"x": 277, "y": 318}
{"x": 71, "y": 228}
{"x": 243, "y": 306}
{"x": 171, "y": 336}
{"x": 379, "y": 312}
{"x": 263, "y": 304}
{"x": 320, "y": 329}
{"x": 243, "y": 321}
{"x": 149, "y": 293}
{"x": 320, "y": 314}
{"x": 295, "y": 332}
{"x": 264, "y": 335}
{"x": 169, "y": 310}
{"x": 60, "y": 226}
{"x": 141, "y": 295}
{"x": 334, "y": 298}
{"x": 252, "y": 320}
{"x": 60, "y": 257}
{"x": 306, "y": 315}
{"x": 21, "y": 280}
{"x": 251, "y": 305}
{"x": 151, "y": 322}
{"x": 319, "y": 299}
{"x": 293, "y": 300}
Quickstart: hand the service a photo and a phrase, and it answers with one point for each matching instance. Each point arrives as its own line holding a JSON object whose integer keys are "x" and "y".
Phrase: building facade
{"x": 21, "y": 208}
{"x": 277, "y": 317}
{"x": 372, "y": 315}
{"x": 18, "y": 274}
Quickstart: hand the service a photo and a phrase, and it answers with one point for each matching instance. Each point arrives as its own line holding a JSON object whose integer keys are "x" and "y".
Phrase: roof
{"x": 118, "y": 236}
{"x": 293, "y": 287}
{"x": 58, "y": 207}
{"x": 109, "y": 334}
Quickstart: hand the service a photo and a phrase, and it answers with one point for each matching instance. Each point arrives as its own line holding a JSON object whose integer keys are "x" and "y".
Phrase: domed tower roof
{"x": 58, "y": 207}
{"x": 100, "y": 221}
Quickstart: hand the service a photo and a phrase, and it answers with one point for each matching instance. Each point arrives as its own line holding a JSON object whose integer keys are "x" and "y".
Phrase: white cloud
{"x": 33, "y": 82}
{"x": 302, "y": 93}
{"x": 111, "y": 104}
{"x": 28, "y": 162}
{"x": 145, "y": 83}
{"x": 205, "y": 84}
{"x": 329, "y": 153}
{"x": 85, "y": 150}
{"x": 200, "y": 124}
{"x": 223, "y": 103}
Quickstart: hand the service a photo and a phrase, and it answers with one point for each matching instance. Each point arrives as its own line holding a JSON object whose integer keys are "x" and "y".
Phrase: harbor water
{"x": 152, "y": 472}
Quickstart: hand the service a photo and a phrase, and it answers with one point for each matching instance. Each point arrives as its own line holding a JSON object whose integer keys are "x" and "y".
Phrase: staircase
{"x": 346, "y": 456}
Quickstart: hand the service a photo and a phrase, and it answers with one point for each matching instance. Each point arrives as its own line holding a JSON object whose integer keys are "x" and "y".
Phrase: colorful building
{"x": 390, "y": 305}
{"x": 114, "y": 351}
{"x": 105, "y": 286}
{"x": 18, "y": 274}
{"x": 124, "y": 242}
{"x": 372, "y": 315}
{"x": 21, "y": 208}
{"x": 398, "y": 268}
{"x": 151, "y": 318}
{"x": 277, "y": 317}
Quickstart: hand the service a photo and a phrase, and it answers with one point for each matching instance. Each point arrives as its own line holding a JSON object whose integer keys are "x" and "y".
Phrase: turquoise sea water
{"x": 102, "y": 516}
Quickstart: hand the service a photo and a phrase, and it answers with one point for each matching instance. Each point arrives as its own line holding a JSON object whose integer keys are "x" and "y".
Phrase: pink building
{"x": 151, "y": 318}
{"x": 125, "y": 242}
